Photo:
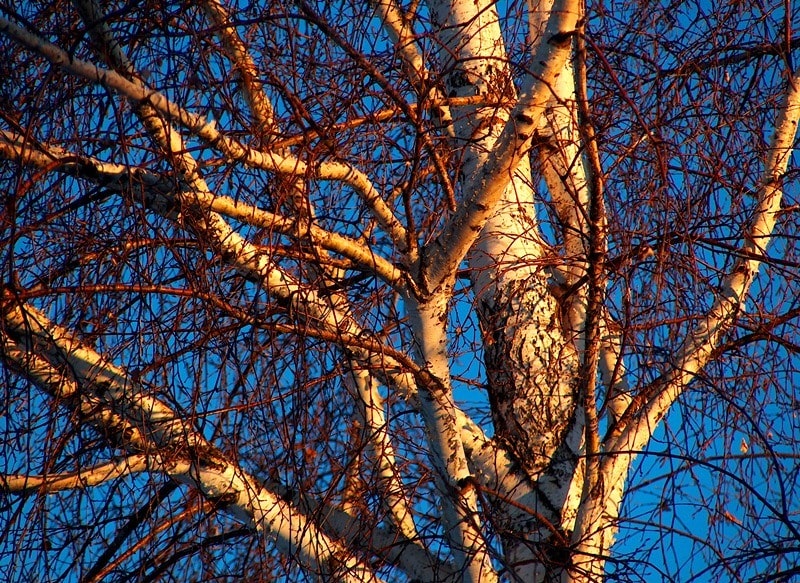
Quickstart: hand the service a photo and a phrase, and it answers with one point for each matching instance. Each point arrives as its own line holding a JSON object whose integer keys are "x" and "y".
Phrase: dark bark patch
{"x": 560, "y": 39}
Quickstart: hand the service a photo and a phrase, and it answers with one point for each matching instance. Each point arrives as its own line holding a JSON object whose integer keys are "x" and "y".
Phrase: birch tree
{"x": 399, "y": 291}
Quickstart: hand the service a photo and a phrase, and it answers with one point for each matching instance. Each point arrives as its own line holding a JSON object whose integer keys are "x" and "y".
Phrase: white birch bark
{"x": 251, "y": 262}
{"x": 531, "y": 365}
{"x": 554, "y": 510}
{"x": 459, "y": 499}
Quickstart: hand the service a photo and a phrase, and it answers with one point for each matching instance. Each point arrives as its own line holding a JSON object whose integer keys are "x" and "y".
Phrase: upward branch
{"x": 595, "y": 526}
{"x": 650, "y": 407}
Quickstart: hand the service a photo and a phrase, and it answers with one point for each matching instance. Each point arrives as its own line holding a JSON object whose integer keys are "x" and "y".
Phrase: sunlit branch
{"x": 406, "y": 553}
{"x": 454, "y": 479}
{"x": 249, "y": 79}
{"x": 237, "y": 249}
{"x": 595, "y": 259}
{"x": 490, "y": 458}
{"x": 208, "y": 132}
{"x": 204, "y": 468}
{"x": 400, "y": 32}
{"x": 613, "y": 372}
{"x": 19, "y": 356}
{"x": 399, "y": 29}
{"x": 208, "y": 224}
{"x": 20, "y": 483}
{"x": 387, "y": 543}
{"x": 161, "y": 191}
{"x": 562, "y": 162}
{"x": 169, "y": 141}
{"x": 696, "y": 351}
{"x": 336, "y": 334}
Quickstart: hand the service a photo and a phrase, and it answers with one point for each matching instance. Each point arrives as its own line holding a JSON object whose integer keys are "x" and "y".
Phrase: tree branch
{"x": 649, "y": 407}
{"x": 458, "y": 494}
{"x": 595, "y": 527}
{"x": 163, "y": 430}
{"x": 159, "y": 189}
{"x": 399, "y": 29}
{"x": 21, "y": 483}
{"x": 249, "y": 76}
{"x": 264, "y": 160}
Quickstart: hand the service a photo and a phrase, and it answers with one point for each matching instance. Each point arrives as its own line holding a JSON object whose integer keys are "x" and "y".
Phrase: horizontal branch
{"x": 21, "y": 483}
{"x": 391, "y": 113}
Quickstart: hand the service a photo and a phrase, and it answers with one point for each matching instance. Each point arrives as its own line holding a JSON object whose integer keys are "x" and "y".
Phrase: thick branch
{"x": 648, "y": 409}
{"x": 438, "y": 412}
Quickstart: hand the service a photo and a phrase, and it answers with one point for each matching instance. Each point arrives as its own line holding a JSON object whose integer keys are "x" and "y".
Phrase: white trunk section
{"x": 531, "y": 366}
{"x": 454, "y": 480}
{"x": 471, "y": 34}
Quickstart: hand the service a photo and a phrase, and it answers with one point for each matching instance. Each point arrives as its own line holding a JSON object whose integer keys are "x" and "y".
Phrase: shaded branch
{"x": 165, "y": 433}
